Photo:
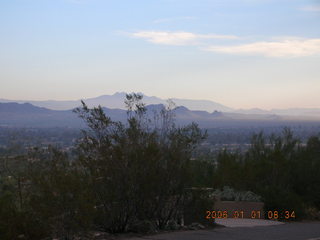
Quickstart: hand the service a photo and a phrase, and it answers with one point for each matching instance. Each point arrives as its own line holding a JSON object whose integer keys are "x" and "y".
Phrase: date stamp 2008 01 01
{"x": 253, "y": 214}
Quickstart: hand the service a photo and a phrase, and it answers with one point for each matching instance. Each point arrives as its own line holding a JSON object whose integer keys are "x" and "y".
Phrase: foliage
{"x": 283, "y": 172}
{"x": 137, "y": 170}
{"x": 123, "y": 175}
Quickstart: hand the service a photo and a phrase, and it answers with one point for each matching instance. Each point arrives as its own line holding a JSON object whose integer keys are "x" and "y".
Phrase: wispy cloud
{"x": 285, "y": 48}
{"x": 278, "y": 47}
{"x": 177, "y": 38}
{"x": 311, "y": 8}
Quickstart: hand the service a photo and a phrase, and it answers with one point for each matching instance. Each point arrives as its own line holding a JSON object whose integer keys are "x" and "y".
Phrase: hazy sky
{"x": 241, "y": 53}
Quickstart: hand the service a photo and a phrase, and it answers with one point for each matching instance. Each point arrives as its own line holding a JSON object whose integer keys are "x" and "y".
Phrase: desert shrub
{"x": 280, "y": 170}
{"x": 137, "y": 170}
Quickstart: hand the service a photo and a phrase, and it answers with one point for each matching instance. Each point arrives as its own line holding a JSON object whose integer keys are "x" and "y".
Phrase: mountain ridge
{"x": 116, "y": 101}
{"x": 28, "y": 115}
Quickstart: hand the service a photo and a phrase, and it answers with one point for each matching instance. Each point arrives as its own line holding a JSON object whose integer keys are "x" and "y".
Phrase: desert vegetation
{"x": 144, "y": 175}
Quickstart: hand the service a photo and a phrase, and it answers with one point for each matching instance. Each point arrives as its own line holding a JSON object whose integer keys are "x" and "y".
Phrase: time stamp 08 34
{"x": 288, "y": 215}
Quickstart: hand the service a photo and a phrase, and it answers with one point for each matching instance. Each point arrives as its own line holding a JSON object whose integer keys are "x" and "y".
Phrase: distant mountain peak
{"x": 182, "y": 108}
{"x": 21, "y": 107}
{"x": 118, "y": 94}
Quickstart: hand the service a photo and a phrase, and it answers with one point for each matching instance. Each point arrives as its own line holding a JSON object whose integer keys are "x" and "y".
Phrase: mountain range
{"x": 116, "y": 101}
{"x": 14, "y": 114}
{"x": 206, "y": 113}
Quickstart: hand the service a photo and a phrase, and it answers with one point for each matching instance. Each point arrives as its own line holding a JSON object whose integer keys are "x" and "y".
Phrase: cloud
{"x": 285, "y": 48}
{"x": 177, "y": 38}
{"x": 278, "y": 47}
{"x": 311, "y": 8}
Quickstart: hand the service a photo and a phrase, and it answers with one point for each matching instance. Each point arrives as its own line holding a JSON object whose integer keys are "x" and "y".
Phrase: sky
{"x": 240, "y": 53}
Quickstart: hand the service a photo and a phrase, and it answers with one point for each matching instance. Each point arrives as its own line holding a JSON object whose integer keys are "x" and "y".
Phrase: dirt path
{"x": 287, "y": 231}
